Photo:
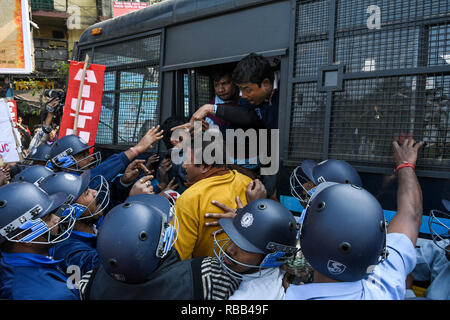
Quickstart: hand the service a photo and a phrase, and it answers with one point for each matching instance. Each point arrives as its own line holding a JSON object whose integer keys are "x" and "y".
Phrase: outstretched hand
{"x": 228, "y": 212}
{"x": 191, "y": 127}
{"x": 407, "y": 151}
{"x": 133, "y": 170}
{"x": 255, "y": 190}
{"x": 154, "y": 158}
{"x": 146, "y": 142}
{"x": 202, "y": 112}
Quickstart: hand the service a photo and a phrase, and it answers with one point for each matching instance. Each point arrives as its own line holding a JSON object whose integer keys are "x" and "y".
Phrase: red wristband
{"x": 134, "y": 151}
{"x": 404, "y": 165}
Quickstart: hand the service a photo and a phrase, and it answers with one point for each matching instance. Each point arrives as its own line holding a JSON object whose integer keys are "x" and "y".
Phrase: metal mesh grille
{"x": 83, "y": 54}
{"x": 352, "y": 14}
{"x": 137, "y": 114}
{"x": 381, "y": 50}
{"x": 309, "y": 57}
{"x": 307, "y": 122}
{"x": 131, "y": 89}
{"x": 312, "y": 18}
{"x": 137, "y": 50}
{"x": 371, "y": 113}
{"x": 203, "y": 90}
{"x": 187, "y": 110}
{"x": 439, "y": 45}
{"x": 436, "y": 120}
{"x": 105, "y": 126}
{"x": 368, "y": 116}
{"x": 400, "y": 97}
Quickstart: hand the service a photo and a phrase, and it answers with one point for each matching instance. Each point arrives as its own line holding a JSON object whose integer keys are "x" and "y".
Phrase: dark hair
{"x": 252, "y": 69}
{"x": 25, "y": 138}
{"x": 204, "y": 145}
{"x": 220, "y": 72}
{"x": 168, "y": 124}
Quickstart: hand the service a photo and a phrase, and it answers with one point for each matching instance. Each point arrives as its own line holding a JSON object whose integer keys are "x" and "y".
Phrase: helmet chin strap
{"x": 269, "y": 261}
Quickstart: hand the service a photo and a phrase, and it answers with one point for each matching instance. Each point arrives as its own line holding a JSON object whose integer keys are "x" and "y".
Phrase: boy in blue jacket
{"x": 89, "y": 204}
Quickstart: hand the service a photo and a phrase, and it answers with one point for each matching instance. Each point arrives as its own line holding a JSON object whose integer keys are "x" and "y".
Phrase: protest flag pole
{"x": 80, "y": 92}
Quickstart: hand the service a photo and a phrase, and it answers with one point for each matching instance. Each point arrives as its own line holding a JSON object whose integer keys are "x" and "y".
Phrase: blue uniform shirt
{"x": 432, "y": 265}
{"x": 111, "y": 167}
{"x": 80, "y": 250}
{"x": 28, "y": 276}
{"x": 386, "y": 282}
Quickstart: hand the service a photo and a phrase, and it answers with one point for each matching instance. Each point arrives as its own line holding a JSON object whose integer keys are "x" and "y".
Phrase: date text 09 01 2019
{"x": 233, "y": 309}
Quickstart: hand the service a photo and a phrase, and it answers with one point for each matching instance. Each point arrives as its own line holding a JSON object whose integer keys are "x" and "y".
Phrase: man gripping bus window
{"x": 257, "y": 108}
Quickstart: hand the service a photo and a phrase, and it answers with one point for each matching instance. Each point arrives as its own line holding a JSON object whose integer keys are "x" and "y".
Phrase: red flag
{"x": 12, "y": 104}
{"x": 91, "y": 101}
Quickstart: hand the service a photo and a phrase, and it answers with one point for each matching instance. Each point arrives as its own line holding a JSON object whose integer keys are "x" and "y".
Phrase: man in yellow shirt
{"x": 206, "y": 183}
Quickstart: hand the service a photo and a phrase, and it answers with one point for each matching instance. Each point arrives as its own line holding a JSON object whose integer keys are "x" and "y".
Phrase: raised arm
{"x": 409, "y": 194}
{"x": 239, "y": 116}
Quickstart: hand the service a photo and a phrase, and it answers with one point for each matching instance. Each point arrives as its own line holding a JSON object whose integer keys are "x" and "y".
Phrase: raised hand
{"x": 146, "y": 142}
{"x": 154, "y": 158}
{"x": 164, "y": 169}
{"x": 255, "y": 190}
{"x": 133, "y": 170}
{"x": 407, "y": 151}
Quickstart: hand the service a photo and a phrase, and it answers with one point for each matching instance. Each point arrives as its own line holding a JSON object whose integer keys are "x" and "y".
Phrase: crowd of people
{"x": 138, "y": 225}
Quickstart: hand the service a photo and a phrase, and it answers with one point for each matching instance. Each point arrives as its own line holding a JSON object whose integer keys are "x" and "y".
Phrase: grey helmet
{"x": 23, "y": 211}
{"x": 343, "y": 234}
{"x": 330, "y": 170}
{"x": 132, "y": 240}
{"x": 41, "y": 153}
{"x": 440, "y": 227}
{"x": 263, "y": 226}
{"x": 74, "y": 185}
{"x": 65, "y": 148}
{"x": 33, "y": 174}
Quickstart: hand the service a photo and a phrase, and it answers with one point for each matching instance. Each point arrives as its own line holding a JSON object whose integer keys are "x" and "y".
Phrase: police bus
{"x": 354, "y": 75}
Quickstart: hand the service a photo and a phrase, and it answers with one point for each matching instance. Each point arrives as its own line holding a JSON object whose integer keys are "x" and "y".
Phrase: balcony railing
{"x": 42, "y": 5}
{"x": 48, "y": 52}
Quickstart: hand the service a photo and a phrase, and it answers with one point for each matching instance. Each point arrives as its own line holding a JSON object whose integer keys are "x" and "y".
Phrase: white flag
{"x": 8, "y": 148}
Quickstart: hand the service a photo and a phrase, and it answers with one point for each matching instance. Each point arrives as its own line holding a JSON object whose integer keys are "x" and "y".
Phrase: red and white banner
{"x": 12, "y": 104}
{"x": 123, "y": 7}
{"x": 91, "y": 101}
{"x": 8, "y": 147}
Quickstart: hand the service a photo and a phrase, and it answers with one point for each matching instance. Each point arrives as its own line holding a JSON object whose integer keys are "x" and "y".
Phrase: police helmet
{"x": 263, "y": 226}
{"x": 41, "y": 153}
{"x": 439, "y": 226}
{"x": 74, "y": 185}
{"x": 34, "y": 174}
{"x": 330, "y": 170}
{"x": 64, "y": 149}
{"x": 343, "y": 234}
{"x": 157, "y": 201}
{"x": 23, "y": 207}
{"x": 132, "y": 239}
